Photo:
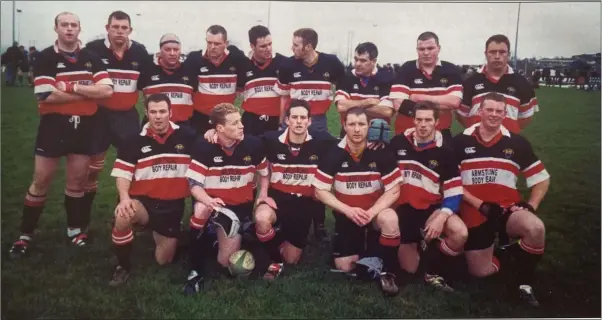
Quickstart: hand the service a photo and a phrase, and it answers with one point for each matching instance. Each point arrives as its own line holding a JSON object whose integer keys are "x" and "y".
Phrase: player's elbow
{"x": 105, "y": 92}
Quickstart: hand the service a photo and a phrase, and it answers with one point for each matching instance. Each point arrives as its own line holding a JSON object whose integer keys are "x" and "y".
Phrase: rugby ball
{"x": 241, "y": 263}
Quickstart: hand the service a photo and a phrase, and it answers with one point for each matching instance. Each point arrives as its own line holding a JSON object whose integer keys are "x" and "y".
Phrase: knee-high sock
{"x": 122, "y": 243}
{"x": 32, "y": 209}
{"x": 390, "y": 245}
{"x": 271, "y": 242}
{"x": 197, "y": 249}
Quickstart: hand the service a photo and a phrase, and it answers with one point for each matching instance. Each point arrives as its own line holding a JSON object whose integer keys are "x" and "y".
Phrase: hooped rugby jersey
{"x": 225, "y": 175}
{"x": 177, "y": 85}
{"x": 52, "y": 66}
{"x": 311, "y": 83}
{"x": 124, "y": 71}
{"x": 430, "y": 173}
{"x": 357, "y": 182}
{"x": 215, "y": 83}
{"x": 156, "y": 164}
{"x": 521, "y": 102}
{"x": 445, "y": 79}
{"x": 293, "y": 170}
{"x": 490, "y": 170}
{"x": 259, "y": 91}
{"x": 355, "y": 87}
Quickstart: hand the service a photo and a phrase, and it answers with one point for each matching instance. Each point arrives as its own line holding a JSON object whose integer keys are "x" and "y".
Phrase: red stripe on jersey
{"x": 399, "y": 88}
{"x": 319, "y": 107}
{"x": 315, "y": 86}
{"x": 509, "y": 101}
{"x": 180, "y": 112}
{"x": 452, "y": 184}
{"x": 417, "y": 197}
{"x": 75, "y": 77}
{"x": 322, "y": 178}
{"x": 120, "y": 101}
{"x": 490, "y": 193}
{"x": 364, "y": 201}
{"x": 392, "y": 177}
{"x": 535, "y": 170}
{"x": 124, "y": 75}
{"x": 162, "y": 188}
{"x": 204, "y": 103}
{"x": 100, "y": 76}
{"x": 374, "y": 177}
{"x": 164, "y": 89}
{"x": 233, "y": 196}
{"x": 486, "y": 164}
{"x": 220, "y": 79}
{"x": 77, "y": 108}
{"x": 259, "y": 83}
{"x": 44, "y": 80}
{"x": 196, "y": 168}
{"x": 162, "y": 159}
{"x": 307, "y": 191}
{"x": 267, "y": 106}
{"x": 216, "y": 172}
{"x": 419, "y": 169}
{"x": 119, "y": 165}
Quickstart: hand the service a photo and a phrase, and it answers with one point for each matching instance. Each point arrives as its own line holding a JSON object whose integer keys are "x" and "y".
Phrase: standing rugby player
{"x": 491, "y": 159}
{"x": 69, "y": 81}
{"x": 117, "y": 115}
{"x": 365, "y": 86}
{"x": 427, "y": 79}
{"x": 365, "y": 184}
{"x": 430, "y": 198}
{"x": 498, "y": 76}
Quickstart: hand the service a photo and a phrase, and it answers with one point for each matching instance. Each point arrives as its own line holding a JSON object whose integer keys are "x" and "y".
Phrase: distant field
{"x": 59, "y": 281}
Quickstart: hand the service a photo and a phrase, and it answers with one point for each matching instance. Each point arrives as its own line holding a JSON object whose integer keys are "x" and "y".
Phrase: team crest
{"x": 443, "y": 81}
{"x": 185, "y": 78}
{"x": 433, "y": 164}
{"x": 233, "y": 69}
{"x": 135, "y": 64}
{"x": 247, "y": 159}
{"x": 277, "y": 71}
{"x": 511, "y": 90}
{"x": 508, "y": 153}
{"x": 88, "y": 65}
{"x": 376, "y": 89}
{"x": 326, "y": 75}
{"x": 313, "y": 158}
{"x": 179, "y": 147}
{"x": 372, "y": 166}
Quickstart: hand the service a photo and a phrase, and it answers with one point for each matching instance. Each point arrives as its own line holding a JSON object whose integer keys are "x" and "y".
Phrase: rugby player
{"x": 222, "y": 175}
{"x": 293, "y": 154}
{"x": 216, "y": 74}
{"x": 430, "y": 198}
{"x": 498, "y": 76}
{"x": 366, "y": 184}
{"x": 69, "y": 80}
{"x": 491, "y": 158}
{"x": 365, "y": 86}
{"x": 150, "y": 175}
{"x": 166, "y": 75}
{"x": 427, "y": 79}
{"x": 123, "y": 58}
{"x": 260, "y": 100}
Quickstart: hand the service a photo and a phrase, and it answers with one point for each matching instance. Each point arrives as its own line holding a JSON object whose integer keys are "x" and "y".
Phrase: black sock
{"x": 433, "y": 259}
{"x": 73, "y": 208}
{"x": 32, "y": 209}
{"x": 405, "y": 278}
{"x": 389, "y": 247}
{"x": 87, "y": 208}
{"x": 527, "y": 262}
{"x": 271, "y": 241}
{"x": 197, "y": 249}
{"x": 318, "y": 217}
{"x": 122, "y": 243}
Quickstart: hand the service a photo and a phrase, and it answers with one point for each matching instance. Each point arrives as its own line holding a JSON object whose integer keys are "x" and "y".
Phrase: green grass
{"x": 58, "y": 281}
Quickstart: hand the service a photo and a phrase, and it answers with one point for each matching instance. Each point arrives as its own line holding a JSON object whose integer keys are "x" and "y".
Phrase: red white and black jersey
{"x": 490, "y": 170}
{"x": 521, "y": 103}
{"x": 85, "y": 68}
{"x": 215, "y": 83}
{"x": 357, "y": 182}
{"x": 156, "y": 165}
{"x": 356, "y": 87}
{"x": 259, "y": 91}
{"x": 293, "y": 170}
{"x": 124, "y": 71}
{"x": 311, "y": 83}
{"x": 225, "y": 175}
{"x": 177, "y": 85}
{"x": 445, "y": 79}
{"x": 430, "y": 173}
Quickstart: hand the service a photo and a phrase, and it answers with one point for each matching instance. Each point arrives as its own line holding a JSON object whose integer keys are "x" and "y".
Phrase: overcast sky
{"x": 546, "y": 29}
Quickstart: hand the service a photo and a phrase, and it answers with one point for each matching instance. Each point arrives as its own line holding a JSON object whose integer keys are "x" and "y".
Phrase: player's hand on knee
{"x": 210, "y": 136}
{"x": 491, "y": 210}
{"x": 359, "y": 216}
{"x": 216, "y": 203}
{"x": 434, "y": 226}
{"x": 522, "y": 205}
{"x": 126, "y": 209}
{"x": 267, "y": 200}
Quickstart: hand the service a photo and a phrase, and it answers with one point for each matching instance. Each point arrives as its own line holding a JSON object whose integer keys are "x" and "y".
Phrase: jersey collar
{"x": 372, "y": 74}
{"x": 426, "y": 74}
{"x": 70, "y": 56}
{"x": 265, "y": 65}
{"x": 473, "y": 131}
{"x": 410, "y": 134}
{"x": 147, "y": 131}
{"x": 483, "y": 70}
{"x": 438, "y": 64}
{"x": 110, "y": 47}
{"x": 343, "y": 145}
{"x": 284, "y": 137}
{"x": 226, "y": 54}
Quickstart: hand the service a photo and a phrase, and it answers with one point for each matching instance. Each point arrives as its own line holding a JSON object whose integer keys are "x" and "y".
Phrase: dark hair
{"x": 64, "y": 13}
{"x": 498, "y": 38}
{"x": 309, "y": 36}
{"x": 219, "y": 112}
{"x": 427, "y": 105}
{"x": 217, "y": 29}
{"x": 294, "y": 103}
{"x": 428, "y": 35}
{"x": 257, "y": 32}
{"x": 157, "y": 97}
{"x": 493, "y": 96}
{"x": 367, "y": 47}
{"x": 358, "y": 111}
{"x": 32, "y": 48}
{"x": 119, "y": 15}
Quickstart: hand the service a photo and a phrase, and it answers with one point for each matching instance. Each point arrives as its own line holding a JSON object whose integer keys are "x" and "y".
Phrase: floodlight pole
{"x": 516, "y": 38}
{"x": 14, "y": 10}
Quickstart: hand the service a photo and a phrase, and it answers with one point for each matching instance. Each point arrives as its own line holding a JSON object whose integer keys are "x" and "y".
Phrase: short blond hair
{"x": 219, "y": 113}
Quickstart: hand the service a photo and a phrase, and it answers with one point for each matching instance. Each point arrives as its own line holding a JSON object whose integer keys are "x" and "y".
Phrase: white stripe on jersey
{"x": 493, "y": 160}
{"x": 162, "y": 170}
{"x": 119, "y": 173}
{"x": 72, "y": 73}
{"x": 42, "y": 88}
{"x": 358, "y": 188}
{"x": 537, "y": 178}
{"x": 293, "y": 179}
{"x": 228, "y": 181}
{"x": 492, "y": 176}
{"x": 162, "y": 155}
{"x": 420, "y": 181}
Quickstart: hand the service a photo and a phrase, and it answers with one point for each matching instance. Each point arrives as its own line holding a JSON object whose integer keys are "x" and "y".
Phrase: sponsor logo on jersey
{"x": 185, "y": 79}
{"x": 135, "y": 64}
{"x": 418, "y": 81}
{"x": 508, "y": 153}
{"x": 297, "y": 75}
{"x": 249, "y": 74}
{"x": 204, "y": 69}
{"x": 402, "y": 152}
{"x": 281, "y": 156}
{"x": 376, "y": 89}
{"x": 326, "y": 75}
{"x": 479, "y": 86}
{"x": 232, "y": 69}
{"x": 60, "y": 65}
{"x": 313, "y": 157}
{"x": 218, "y": 159}
{"x": 179, "y": 147}
{"x": 345, "y": 165}
{"x": 105, "y": 61}
{"x": 155, "y": 77}
{"x": 469, "y": 150}
{"x": 146, "y": 149}
{"x": 355, "y": 87}
{"x": 511, "y": 90}
{"x": 88, "y": 65}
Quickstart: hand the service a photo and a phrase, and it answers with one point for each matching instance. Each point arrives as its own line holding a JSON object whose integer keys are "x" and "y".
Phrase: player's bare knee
{"x": 202, "y": 211}
{"x": 536, "y": 229}
{"x": 481, "y": 272}
{"x": 345, "y": 265}
{"x": 264, "y": 215}
{"x": 223, "y": 261}
{"x": 387, "y": 221}
{"x": 456, "y": 230}
{"x": 292, "y": 258}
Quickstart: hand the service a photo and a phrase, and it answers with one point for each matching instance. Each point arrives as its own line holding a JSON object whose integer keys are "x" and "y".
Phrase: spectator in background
{"x": 23, "y": 66}
{"x": 11, "y": 59}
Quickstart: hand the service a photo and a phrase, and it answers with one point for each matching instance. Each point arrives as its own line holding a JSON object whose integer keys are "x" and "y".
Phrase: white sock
{"x": 71, "y": 232}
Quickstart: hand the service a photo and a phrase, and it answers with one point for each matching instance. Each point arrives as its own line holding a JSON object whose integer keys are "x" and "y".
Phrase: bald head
{"x": 62, "y": 14}
{"x": 67, "y": 28}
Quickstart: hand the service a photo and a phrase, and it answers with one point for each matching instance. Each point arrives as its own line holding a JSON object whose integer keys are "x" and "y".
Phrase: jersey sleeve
{"x": 99, "y": 71}
{"x": 44, "y": 74}
{"x": 467, "y": 94}
{"x": 454, "y": 82}
{"x": 285, "y": 74}
{"x": 260, "y": 158}
{"x": 400, "y": 89}
{"x": 528, "y": 102}
{"x": 389, "y": 171}
{"x": 199, "y": 163}
{"x": 343, "y": 90}
{"x": 243, "y": 66}
{"x": 338, "y": 71}
{"x": 451, "y": 182}
{"x": 127, "y": 158}
{"x": 145, "y": 68}
{"x": 384, "y": 94}
{"x": 327, "y": 168}
{"x": 532, "y": 168}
